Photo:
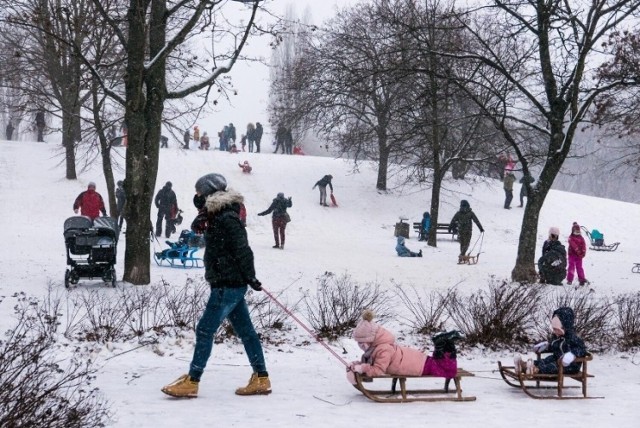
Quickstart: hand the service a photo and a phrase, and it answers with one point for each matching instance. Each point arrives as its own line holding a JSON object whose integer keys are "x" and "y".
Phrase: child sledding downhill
{"x": 383, "y": 356}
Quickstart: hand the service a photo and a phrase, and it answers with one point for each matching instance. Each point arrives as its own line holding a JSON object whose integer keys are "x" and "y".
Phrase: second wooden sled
{"x": 411, "y": 395}
{"x": 531, "y": 384}
{"x": 468, "y": 259}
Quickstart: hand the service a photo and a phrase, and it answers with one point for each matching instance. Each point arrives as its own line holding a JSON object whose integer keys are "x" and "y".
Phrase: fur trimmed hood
{"x": 220, "y": 200}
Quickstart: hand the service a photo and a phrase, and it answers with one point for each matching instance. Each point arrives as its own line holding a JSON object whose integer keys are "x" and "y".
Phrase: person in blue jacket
{"x": 403, "y": 251}
{"x": 425, "y": 225}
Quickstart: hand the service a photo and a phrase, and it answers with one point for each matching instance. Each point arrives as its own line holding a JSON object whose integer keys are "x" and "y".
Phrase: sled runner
{"x": 410, "y": 395}
{"x": 180, "y": 253}
{"x": 636, "y": 268}
{"x": 530, "y": 384}
{"x": 596, "y": 241}
{"x": 468, "y": 259}
{"x": 333, "y": 201}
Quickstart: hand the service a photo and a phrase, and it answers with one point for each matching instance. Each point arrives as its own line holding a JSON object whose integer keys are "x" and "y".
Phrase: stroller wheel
{"x": 67, "y": 274}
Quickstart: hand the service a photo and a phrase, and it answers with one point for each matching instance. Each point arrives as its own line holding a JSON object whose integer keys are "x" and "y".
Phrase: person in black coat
{"x": 258, "y": 136}
{"x": 462, "y": 221}
{"x": 229, "y": 269}
{"x": 322, "y": 185}
{"x": 280, "y": 218}
{"x": 121, "y": 200}
{"x": 552, "y": 265}
{"x": 9, "y": 131}
{"x": 167, "y": 205}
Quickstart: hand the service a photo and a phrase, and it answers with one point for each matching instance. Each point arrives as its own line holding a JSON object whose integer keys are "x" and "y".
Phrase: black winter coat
{"x": 228, "y": 259}
{"x": 259, "y": 131}
{"x": 560, "y": 345}
{"x": 552, "y": 265}
{"x": 324, "y": 181}
{"x": 166, "y": 199}
{"x": 278, "y": 207}
{"x": 463, "y": 220}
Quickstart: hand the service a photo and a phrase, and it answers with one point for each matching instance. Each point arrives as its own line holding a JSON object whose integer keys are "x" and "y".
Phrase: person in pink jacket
{"x": 383, "y": 356}
{"x": 577, "y": 251}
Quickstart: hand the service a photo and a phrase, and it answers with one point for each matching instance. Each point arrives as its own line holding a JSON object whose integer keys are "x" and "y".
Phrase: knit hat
{"x": 281, "y": 195}
{"x": 464, "y": 204}
{"x": 366, "y": 329}
{"x": 91, "y": 184}
{"x": 554, "y": 231}
{"x": 211, "y": 183}
{"x": 575, "y": 227}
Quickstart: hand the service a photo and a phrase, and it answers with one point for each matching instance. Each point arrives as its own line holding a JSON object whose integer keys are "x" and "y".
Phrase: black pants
{"x": 164, "y": 214}
{"x": 508, "y": 197}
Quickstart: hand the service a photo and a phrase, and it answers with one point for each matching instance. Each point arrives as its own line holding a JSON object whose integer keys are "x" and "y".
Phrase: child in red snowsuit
{"x": 577, "y": 251}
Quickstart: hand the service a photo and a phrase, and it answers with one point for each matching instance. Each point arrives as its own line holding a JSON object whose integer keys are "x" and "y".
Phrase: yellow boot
{"x": 182, "y": 387}
{"x": 258, "y": 385}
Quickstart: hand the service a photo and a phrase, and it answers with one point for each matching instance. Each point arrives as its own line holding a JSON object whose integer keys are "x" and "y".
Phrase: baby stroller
{"x": 91, "y": 249}
{"x": 181, "y": 253}
{"x": 596, "y": 240}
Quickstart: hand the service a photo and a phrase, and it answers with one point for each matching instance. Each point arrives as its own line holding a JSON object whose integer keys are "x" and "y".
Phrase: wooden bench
{"x": 410, "y": 395}
{"x": 531, "y": 383}
{"x": 441, "y": 228}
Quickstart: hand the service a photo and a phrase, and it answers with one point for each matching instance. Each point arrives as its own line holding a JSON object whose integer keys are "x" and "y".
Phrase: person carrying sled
{"x": 564, "y": 345}
{"x": 167, "y": 205}
{"x": 462, "y": 219}
{"x": 403, "y": 251}
{"x": 279, "y": 218}
{"x": 577, "y": 251}
{"x": 322, "y": 186}
{"x": 425, "y": 225}
{"x": 90, "y": 203}
{"x": 383, "y": 356}
{"x": 246, "y": 168}
{"x": 552, "y": 265}
{"x": 229, "y": 269}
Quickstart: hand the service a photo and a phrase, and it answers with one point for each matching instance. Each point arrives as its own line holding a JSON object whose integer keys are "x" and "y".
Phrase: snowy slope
{"x": 357, "y": 238}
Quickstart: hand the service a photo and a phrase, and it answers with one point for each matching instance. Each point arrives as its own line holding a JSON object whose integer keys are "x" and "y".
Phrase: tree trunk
{"x": 69, "y": 144}
{"x": 383, "y": 166}
{"x": 435, "y": 209}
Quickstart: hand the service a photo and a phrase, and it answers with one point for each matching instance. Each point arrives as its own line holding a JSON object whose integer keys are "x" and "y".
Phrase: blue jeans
{"x": 226, "y": 303}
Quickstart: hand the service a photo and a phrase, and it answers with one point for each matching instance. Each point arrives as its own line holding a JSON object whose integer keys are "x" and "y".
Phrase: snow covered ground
{"x": 309, "y": 386}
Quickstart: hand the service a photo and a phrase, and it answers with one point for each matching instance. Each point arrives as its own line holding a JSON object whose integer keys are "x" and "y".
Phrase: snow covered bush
{"x": 42, "y": 385}
{"x": 628, "y": 320}
{"x": 426, "y": 310}
{"x": 337, "y": 305}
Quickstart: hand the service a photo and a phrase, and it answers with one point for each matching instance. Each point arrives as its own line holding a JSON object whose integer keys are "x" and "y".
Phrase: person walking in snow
{"x": 121, "y": 200}
{"x": 577, "y": 251}
{"x": 258, "y": 136}
{"x": 552, "y": 265}
{"x": 279, "y": 218}
{"x": 186, "y": 138}
{"x": 523, "y": 189}
{"x": 90, "y": 203}
{"x": 403, "y": 251}
{"x": 509, "y": 179}
{"x": 167, "y": 205}
{"x": 40, "y": 125}
{"x": 322, "y": 185}
{"x": 383, "y": 356}
{"x": 462, "y": 220}
{"x": 281, "y": 138}
{"x": 251, "y": 136}
{"x": 229, "y": 269}
{"x": 9, "y": 131}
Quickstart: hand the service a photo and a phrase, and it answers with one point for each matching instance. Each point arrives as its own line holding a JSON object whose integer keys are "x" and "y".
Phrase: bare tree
{"x": 542, "y": 50}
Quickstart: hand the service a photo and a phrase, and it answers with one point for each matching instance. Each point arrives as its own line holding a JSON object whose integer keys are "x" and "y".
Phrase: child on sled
{"x": 563, "y": 344}
{"x": 383, "y": 356}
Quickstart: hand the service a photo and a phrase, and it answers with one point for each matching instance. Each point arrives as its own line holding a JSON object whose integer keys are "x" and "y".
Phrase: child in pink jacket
{"x": 577, "y": 251}
{"x": 383, "y": 356}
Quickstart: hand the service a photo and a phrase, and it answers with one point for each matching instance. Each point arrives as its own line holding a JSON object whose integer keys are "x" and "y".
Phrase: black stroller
{"x": 91, "y": 249}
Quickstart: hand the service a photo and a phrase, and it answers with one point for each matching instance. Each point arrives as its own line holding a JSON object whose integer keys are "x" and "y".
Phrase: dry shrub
{"x": 427, "y": 309}
{"x": 628, "y": 320}
{"x": 501, "y": 315}
{"x": 39, "y": 388}
{"x": 593, "y": 315}
{"x": 337, "y": 306}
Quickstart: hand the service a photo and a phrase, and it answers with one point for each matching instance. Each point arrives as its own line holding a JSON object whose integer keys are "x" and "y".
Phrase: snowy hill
{"x": 357, "y": 237}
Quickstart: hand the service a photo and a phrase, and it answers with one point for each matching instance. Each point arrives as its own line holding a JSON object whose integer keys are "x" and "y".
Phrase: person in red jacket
{"x": 90, "y": 203}
{"x": 577, "y": 251}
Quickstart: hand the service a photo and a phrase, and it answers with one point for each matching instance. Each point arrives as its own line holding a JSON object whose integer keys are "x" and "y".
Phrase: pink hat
{"x": 554, "y": 231}
{"x": 366, "y": 330}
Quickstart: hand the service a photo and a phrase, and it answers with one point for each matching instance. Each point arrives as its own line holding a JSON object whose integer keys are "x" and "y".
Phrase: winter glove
{"x": 75, "y": 211}
{"x": 540, "y": 347}
{"x": 255, "y": 284}
{"x": 358, "y": 368}
{"x": 351, "y": 377}
{"x": 199, "y": 224}
{"x": 568, "y": 358}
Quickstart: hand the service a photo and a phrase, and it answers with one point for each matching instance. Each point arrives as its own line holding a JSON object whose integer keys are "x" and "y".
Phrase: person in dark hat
{"x": 121, "y": 199}
{"x": 167, "y": 205}
{"x": 280, "y": 218}
{"x": 463, "y": 219}
{"x": 322, "y": 185}
{"x": 229, "y": 269}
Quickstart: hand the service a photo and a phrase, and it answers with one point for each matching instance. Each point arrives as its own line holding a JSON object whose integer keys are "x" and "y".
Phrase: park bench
{"x": 441, "y": 228}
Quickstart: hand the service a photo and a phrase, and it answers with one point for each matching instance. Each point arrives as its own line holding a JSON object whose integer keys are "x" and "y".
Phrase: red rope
{"x": 307, "y": 329}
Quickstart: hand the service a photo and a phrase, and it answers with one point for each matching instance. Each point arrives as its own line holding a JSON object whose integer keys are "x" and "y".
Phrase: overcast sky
{"x": 251, "y": 80}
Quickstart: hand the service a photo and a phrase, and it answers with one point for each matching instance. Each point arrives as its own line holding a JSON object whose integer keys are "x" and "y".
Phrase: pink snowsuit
{"x": 392, "y": 359}
{"x": 577, "y": 251}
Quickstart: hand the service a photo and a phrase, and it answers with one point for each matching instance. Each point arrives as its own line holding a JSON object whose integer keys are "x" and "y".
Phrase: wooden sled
{"x": 531, "y": 384}
{"x": 468, "y": 259}
{"x": 410, "y": 395}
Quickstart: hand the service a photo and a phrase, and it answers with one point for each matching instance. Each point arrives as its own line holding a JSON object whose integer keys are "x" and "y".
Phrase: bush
{"x": 593, "y": 316}
{"x": 427, "y": 310}
{"x": 338, "y": 303}
{"x": 628, "y": 320}
{"x": 37, "y": 387}
{"x": 502, "y": 315}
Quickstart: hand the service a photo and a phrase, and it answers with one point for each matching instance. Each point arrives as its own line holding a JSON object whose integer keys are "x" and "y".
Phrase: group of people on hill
{"x": 508, "y": 180}
{"x": 227, "y": 138}
{"x": 40, "y": 125}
